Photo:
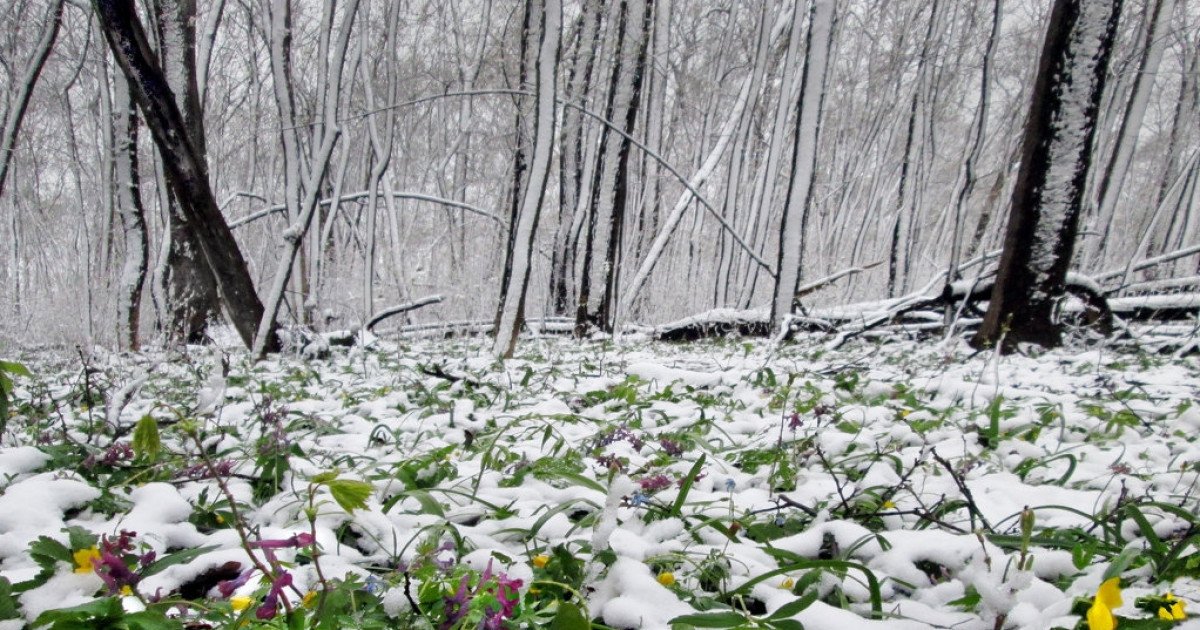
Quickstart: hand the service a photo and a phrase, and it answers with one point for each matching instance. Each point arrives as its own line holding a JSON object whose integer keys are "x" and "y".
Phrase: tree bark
{"x": 133, "y": 215}
{"x": 804, "y": 158}
{"x": 1055, "y": 159}
{"x": 512, "y": 306}
{"x": 192, "y": 301}
{"x": 610, "y": 190}
{"x": 184, "y": 170}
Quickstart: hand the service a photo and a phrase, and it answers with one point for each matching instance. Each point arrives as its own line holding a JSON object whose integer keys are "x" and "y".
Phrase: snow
{"x": 1078, "y": 431}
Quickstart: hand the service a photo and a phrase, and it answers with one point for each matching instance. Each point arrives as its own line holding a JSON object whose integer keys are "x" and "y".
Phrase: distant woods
{"x": 605, "y": 162}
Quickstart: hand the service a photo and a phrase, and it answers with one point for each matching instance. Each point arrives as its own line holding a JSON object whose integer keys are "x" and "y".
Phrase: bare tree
{"x": 804, "y": 158}
{"x": 302, "y": 207}
{"x": 126, "y": 181}
{"x": 610, "y": 188}
{"x": 21, "y": 90}
{"x": 189, "y": 287}
{"x": 512, "y": 295}
{"x": 184, "y": 169}
{"x": 1055, "y": 159}
{"x": 1158, "y": 20}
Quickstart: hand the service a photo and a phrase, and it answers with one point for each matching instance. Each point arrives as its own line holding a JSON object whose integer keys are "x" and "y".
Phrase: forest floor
{"x": 620, "y": 484}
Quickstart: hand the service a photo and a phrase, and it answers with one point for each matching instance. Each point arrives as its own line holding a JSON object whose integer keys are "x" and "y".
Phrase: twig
{"x": 972, "y": 507}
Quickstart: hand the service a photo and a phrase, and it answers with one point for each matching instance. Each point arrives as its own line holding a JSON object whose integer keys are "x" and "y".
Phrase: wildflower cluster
{"x": 280, "y": 581}
{"x": 116, "y": 562}
{"x": 455, "y": 597}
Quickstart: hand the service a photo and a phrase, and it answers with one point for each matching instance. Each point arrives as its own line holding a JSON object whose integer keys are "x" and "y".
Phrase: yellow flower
{"x": 787, "y": 584}
{"x": 666, "y": 578}
{"x": 308, "y": 599}
{"x": 85, "y": 560}
{"x": 541, "y": 561}
{"x": 240, "y": 602}
{"x": 1108, "y": 597}
{"x": 127, "y": 590}
{"x": 888, "y": 505}
{"x": 1175, "y": 612}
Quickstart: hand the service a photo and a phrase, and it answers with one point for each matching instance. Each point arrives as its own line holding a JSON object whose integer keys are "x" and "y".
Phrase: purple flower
{"x": 508, "y": 596}
{"x": 657, "y": 482}
{"x": 303, "y": 539}
{"x": 671, "y": 447}
{"x": 456, "y": 605}
{"x": 115, "y": 574}
{"x": 227, "y": 587}
{"x": 271, "y": 601}
{"x": 794, "y": 421}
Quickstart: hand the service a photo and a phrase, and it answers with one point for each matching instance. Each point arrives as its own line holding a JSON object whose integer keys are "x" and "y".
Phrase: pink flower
{"x": 299, "y": 540}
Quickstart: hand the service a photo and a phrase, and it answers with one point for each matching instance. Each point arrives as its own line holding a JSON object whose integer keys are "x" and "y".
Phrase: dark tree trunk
{"x": 1055, "y": 159}
{"x": 184, "y": 169}
{"x": 191, "y": 290}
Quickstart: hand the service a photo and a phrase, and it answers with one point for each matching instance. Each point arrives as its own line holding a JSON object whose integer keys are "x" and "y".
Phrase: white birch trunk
{"x": 791, "y": 242}
{"x": 525, "y": 226}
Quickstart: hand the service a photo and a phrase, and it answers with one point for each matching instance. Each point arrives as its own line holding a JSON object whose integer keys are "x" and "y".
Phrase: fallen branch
{"x": 403, "y": 308}
{"x": 817, "y": 285}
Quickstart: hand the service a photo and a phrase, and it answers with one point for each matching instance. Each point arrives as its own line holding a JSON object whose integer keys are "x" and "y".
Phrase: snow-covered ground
{"x": 884, "y": 482}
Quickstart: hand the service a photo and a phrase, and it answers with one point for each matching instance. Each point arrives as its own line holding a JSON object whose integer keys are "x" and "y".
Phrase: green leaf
{"x": 12, "y": 367}
{"x": 350, "y": 494}
{"x": 569, "y": 617}
{"x": 325, "y": 477}
{"x": 787, "y": 624}
{"x": 151, "y": 620}
{"x": 145, "y": 438}
{"x": 172, "y": 559}
{"x": 9, "y": 608}
{"x": 99, "y": 614}
{"x": 791, "y": 609}
{"x": 724, "y": 619}
{"x": 969, "y": 600}
{"x": 686, "y": 486}
{"x": 47, "y": 553}
{"x": 1118, "y": 564}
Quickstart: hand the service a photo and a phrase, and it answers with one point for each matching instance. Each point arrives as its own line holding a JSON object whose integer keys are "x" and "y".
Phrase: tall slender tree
{"x": 524, "y": 227}
{"x": 804, "y": 158}
{"x": 126, "y": 182}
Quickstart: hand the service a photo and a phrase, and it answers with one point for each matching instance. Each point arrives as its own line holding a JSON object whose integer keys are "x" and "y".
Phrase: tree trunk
{"x": 609, "y": 195}
{"x": 1055, "y": 159}
{"x": 306, "y": 207}
{"x": 573, "y": 159}
{"x": 1158, "y": 23}
{"x": 183, "y": 166}
{"x": 524, "y": 228}
{"x": 804, "y": 158}
{"x": 520, "y": 157}
{"x": 191, "y": 291}
{"x": 133, "y": 216}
